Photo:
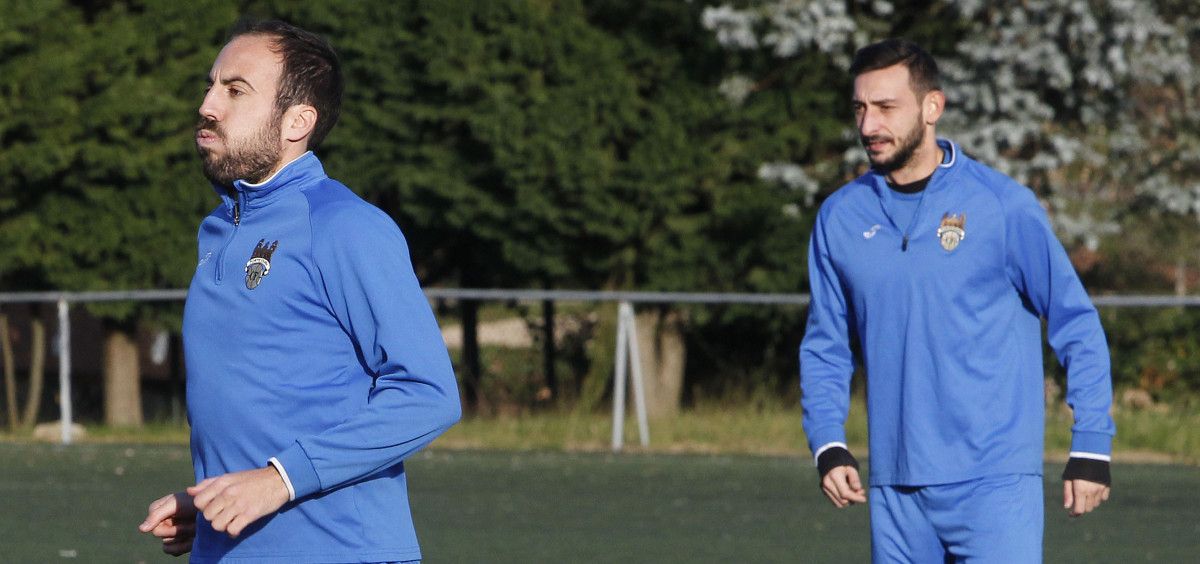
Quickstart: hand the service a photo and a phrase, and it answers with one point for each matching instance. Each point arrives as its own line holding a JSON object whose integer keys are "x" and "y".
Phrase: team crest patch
{"x": 259, "y": 264}
{"x": 953, "y": 230}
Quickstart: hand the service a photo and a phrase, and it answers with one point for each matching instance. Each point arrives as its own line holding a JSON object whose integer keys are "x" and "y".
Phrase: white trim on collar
{"x": 272, "y": 177}
{"x": 953, "y": 151}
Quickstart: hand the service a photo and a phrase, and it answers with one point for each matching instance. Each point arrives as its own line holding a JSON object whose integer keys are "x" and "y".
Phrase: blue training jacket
{"x": 308, "y": 339}
{"x": 950, "y": 328}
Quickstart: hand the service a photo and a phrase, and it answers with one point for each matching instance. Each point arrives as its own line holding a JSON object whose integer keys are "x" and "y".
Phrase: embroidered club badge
{"x": 953, "y": 230}
{"x": 259, "y": 264}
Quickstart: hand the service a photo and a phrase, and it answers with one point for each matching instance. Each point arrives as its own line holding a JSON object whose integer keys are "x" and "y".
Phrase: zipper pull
{"x": 237, "y": 213}
{"x": 904, "y": 244}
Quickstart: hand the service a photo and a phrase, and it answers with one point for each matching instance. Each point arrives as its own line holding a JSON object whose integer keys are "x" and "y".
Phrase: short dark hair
{"x": 922, "y": 69}
{"x": 311, "y": 73}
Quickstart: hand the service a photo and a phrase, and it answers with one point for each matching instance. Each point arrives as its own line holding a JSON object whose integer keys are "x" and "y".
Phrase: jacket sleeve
{"x": 1042, "y": 272}
{"x": 826, "y": 363}
{"x": 370, "y": 286}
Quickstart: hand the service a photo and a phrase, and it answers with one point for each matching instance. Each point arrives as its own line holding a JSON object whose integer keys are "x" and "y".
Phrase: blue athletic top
{"x": 950, "y": 327}
{"x": 308, "y": 340}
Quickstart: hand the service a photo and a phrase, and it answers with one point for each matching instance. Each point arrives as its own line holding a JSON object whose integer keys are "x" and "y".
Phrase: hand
{"x": 843, "y": 487}
{"x": 233, "y": 501}
{"x": 1082, "y": 496}
{"x": 172, "y": 518}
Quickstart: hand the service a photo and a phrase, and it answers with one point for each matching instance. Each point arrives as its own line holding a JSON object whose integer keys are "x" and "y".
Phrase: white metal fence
{"x": 626, "y": 351}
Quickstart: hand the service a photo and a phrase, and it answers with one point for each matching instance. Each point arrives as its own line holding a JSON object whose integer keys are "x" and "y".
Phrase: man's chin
{"x": 881, "y": 164}
{"x": 207, "y": 154}
{"x": 215, "y": 174}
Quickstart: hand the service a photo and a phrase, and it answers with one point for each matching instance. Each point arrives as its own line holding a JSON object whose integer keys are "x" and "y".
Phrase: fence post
{"x": 618, "y": 434}
{"x": 628, "y": 357}
{"x": 64, "y": 369}
{"x": 635, "y": 367}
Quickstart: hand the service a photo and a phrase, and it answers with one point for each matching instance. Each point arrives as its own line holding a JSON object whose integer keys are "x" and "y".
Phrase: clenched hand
{"x": 172, "y": 518}
{"x": 843, "y": 487}
{"x": 233, "y": 501}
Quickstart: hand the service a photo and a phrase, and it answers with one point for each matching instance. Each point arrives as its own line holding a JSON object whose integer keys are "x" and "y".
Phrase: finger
{"x": 1104, "y": 496}
{"x": 159, "y": 509}
{"x": 205, "y": 492}
{"x": 177, "y": 547}
{"x": 185, "y": 529}
{"x": 213, "y": 513}
{"x": 842, "y": 487}
{"x": 183, "y": 536}
{"x": 176, "y": 530}
{"x": 852, "y": 478}
{"x": 200, "y": 487}
{"x": 220, "y": 520}
{"x": 831, "y": 490}
{"x": 857, "y": 495}
{"x": 831, "y": 493}
{"x": 237, "y": 525}
{"x": 1068, "y": 497}
{"x": 1080, "y": 506}
{"x": 165, "y": 529}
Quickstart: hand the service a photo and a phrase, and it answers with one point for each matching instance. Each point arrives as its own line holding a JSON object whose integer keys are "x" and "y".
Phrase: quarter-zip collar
{"x": 949, "y": 164}
{"x": 301, "y": 171}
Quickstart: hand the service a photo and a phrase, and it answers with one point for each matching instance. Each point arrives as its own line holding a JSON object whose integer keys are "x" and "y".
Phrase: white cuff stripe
{"x": 825, "y": 447}
{"x": 283, "y": 474}
{"x": 1090, "y": 455}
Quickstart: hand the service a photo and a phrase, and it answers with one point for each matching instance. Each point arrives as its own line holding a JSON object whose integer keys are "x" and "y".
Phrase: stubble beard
{"x": 251, "y": 160}
{"x": 906, "y": 148}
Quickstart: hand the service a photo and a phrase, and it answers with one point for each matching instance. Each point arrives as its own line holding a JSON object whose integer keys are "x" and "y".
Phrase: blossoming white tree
{"x": 1090, "y": 102}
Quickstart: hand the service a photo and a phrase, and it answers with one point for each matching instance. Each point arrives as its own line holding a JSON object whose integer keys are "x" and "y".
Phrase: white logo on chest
{"x": 871, "y": 232}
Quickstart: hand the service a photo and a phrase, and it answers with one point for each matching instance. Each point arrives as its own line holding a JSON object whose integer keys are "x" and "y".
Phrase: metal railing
{"x": 627, "y": 354}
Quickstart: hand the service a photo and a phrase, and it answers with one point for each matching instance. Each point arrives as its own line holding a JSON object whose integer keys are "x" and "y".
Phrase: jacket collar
{"x": 951, "y": 161}
{"x": 300, "y": 171}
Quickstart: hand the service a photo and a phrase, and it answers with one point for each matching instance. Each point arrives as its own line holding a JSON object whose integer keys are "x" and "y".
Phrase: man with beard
{"x": 315, "y": 365}
{"x": 943, "y": 269}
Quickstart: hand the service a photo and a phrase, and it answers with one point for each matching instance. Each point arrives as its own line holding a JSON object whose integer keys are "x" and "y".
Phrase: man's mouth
{"x": 206, "y": 137}
{"x": 875, "y": 144}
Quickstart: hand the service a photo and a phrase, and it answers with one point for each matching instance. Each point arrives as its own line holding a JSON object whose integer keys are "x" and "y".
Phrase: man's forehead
{"x": 890, "y": 83}
{"x": 248, "y": 58}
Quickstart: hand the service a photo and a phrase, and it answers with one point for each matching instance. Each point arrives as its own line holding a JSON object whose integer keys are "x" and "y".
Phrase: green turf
{"x": 478, "y": 506}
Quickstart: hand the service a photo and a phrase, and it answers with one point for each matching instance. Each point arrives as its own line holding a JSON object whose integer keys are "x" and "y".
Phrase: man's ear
{"x": 299, "y": 122}
{"x": 933, "y": 105}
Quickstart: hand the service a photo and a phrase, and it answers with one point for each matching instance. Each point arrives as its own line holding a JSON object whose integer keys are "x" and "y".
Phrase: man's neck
{"x": 925, "y": 160}
{"x": 287, "y": 159}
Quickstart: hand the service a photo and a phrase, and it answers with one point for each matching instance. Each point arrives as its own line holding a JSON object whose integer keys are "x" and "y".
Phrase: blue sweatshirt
{"x": 308, "y": 340}
{"x": 949, "y": 326}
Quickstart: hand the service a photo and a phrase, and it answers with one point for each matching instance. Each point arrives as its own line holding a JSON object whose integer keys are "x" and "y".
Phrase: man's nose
{"x": 210, "y": 107}
{"x": 868, "y": 122}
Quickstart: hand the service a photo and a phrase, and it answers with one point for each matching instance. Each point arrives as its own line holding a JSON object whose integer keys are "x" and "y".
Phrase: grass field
{"x": 82, "y": 503}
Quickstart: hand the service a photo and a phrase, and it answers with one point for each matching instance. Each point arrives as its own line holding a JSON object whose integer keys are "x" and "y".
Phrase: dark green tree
{"x": 99, "y": 184}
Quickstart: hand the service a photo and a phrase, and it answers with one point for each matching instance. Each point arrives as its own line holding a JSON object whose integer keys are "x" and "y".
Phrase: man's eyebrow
{"x": 232, "y": 79}
{"x": 876, "y": 101}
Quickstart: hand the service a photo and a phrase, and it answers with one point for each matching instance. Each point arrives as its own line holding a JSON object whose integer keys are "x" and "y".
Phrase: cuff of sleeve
{"x": 301, "y": 474}
{"x": 820, "y": 438}
{"x": 283, "y": 474}
{"x": 1088, "y": 469}
{"x": 1098, "y": 443}
{"x": 825, "y": 447}
{"x": 832, "y": 458}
